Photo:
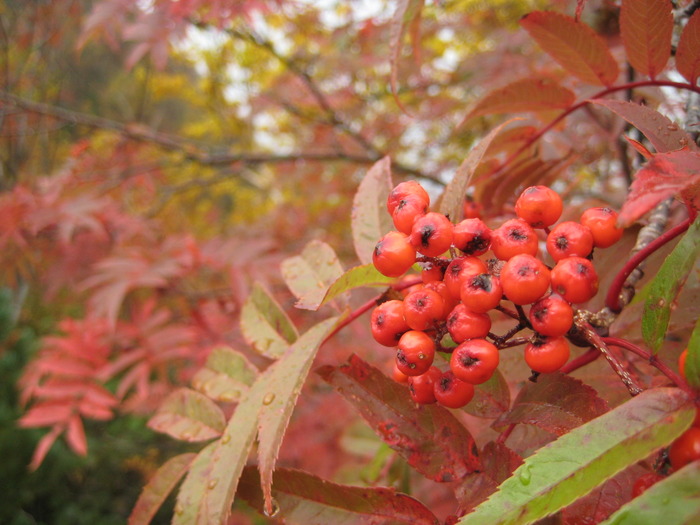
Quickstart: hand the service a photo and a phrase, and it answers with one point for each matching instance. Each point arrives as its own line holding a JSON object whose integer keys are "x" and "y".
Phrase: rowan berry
{"x": 432, "y": 234}
{"x": 547, "y": 355}
{"x": 551, "y": 316}
{"x": 474, "y": 361}
{"x": 575, "y": 279}
{"x": 432, "y": 273}
{"x": 513, "y": 237}
{"x": 397, "y": 375}
{"x": 464, "y": 324}
{"x": 569, "y": 239}
{"x": 422, "y": 387}
{"x": 409, "y": 209}
{"x": 472, "y": 237}
{"x": 603, "y": 225}
{"x": 452, "y": 392}
{"x": 524, "y": 279}
{"x": 685, "y": 448}
{"x": 403, "y": 190}
{"x": 459, "y": 269}
{"x": 539, "y": 206}
{"x": 415, "y": 353}
{"x": 471, "y": 208}
{"x": 481, "y": 293}
{"x": 393, "y": 255}
{"x": 645, "y": 481}
{"x": 388, "y": 323}
{"x": 423, "y": 308}
{"x": 449, "y": 301}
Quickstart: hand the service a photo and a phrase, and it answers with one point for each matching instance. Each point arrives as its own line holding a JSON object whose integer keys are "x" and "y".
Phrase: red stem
{"x": 653, "y": 360}
{"x": 612, "y": 300}
{"x": 580, "y": 361}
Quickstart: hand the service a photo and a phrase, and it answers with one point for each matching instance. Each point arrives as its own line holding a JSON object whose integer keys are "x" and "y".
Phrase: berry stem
{"x": 508, "y": 312}
{"x": 651, "y": 358}
{"x": 591, "y": 355}
{"x": 612, "y": 300}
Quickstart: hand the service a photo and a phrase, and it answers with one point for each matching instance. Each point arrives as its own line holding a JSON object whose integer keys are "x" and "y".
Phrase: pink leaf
{"x": 43, "y": 447}
{"x": 75, "y": 435}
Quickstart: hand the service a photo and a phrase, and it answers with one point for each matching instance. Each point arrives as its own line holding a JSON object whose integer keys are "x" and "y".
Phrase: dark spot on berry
{"x": 582, "y": 269}
{"x": 477, "y": 244}
{"x": 425, "y": 234}
{"x": 380, "y": 319}
{"x": 517, "y": 234}
{"x": 401, "y": 358}
{"x": 539, "y": 312}
{"x": 444, "y": 383}
{"x": 525, "y": 270}
{"x": 561, "y": 242}
{"x": 469, "y": 361}
{"x": 482, "y": 282}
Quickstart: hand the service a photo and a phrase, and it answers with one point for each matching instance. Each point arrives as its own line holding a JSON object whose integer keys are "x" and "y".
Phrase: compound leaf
{"x": 646, "y": 27}
{"x": 265, "y": 326}
{"x": 188, "y": 415}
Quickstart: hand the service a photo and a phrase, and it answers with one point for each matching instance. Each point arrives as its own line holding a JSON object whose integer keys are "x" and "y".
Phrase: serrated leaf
{"x": 663, "y": 134}
{"x": 646, "y": 27}
{"x": 675, "y": 499}
{"x": 556, "y": 403}
{"x": 188, "y": 415}
{"x": 664, "y": 176}
{"x": 666, "y": 285}
{"x": 195, "y": 489}
{"x": 265, "y": 326}
{"x": 491, "y": 398}
{"x": 688, "y": 50}
{"x": 574, "y": 45}
{"x": 529, "y": 94}
{"x": 692, "y": 360}
{"x": 226, "y": 375}
{"x": 453, "y": 196}
{"x": 571, "y": 466}
{"x": 304, "y": 498}
{"x": 159, "y": 487}
{"x": 356, "y": 277}
{"x": 370, "y": 218}
{"x": 285, "y": 378}
{"x": 310, "y": 274}
{"x": 429, "y": 438}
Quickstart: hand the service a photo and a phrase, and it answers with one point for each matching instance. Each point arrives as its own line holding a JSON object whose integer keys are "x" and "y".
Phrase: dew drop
{"x": 225, "y": 438}
{"x": 525, "y": 476}
{"x": 230, "y": 396}
{"x": 672, "y": 127}
{"x": 179, "y": 509}
{"x": 275, "y": 509}
{"x": 212, "y": 483}
{"x": 269, "y": 398}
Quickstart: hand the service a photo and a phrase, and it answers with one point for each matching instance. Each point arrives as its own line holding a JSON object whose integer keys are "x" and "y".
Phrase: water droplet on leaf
{"x": 274, "y": 511}
{"x": 525, "y": 476}
{"x": 212, "y": 483}
{"x": 269, "y": 398}
{"x": 225, "y": 438}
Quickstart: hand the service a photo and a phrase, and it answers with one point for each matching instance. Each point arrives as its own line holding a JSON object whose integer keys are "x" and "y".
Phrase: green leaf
{"x": 304, "y": 498}
{"x": 571, "y": 466}
{"x": 674, "y": 500}
{"x": 666, "y": 285}
{"x": 195, "y": 489}
{"x": 188, "y": 415}
{"x": 285, "y": 378}
{"x": 225, "y": 376}
{"x": 491, "y": 399}
{"x": 159, "y": 486}
{"x": 453, "y": 197}
{"x": 692, "y": 360}
{"x": 310, "y": 274}
{"x": 356, "y": 277}
{"x": 370, "y": 218}
{"x": 265, "y": 326}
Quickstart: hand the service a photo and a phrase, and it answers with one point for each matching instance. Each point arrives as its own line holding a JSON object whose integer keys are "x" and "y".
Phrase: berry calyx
{"x": 539, "y": 206}
{"x": 415, "y": 353}
{"x": 551, "y": 316}
{"x": 575, "y": 279}
{"x": 547, "y": 355}
{"x": 481, "y": 293}
{"x": 423, "y": 308}
{"x": 524, "y": 279}
{"x": 388, "y": 323}
{"x": 603, "y": 225}
{"x": 474, "y": 361}
{"x": 452, "y": 392}
{"x": 569, "y": 239}
{"x": 459, "y": 270}
{"x": 472, "y": 237}
{"x": 513, "y": 237}
{"x": 432, "y": 234}
{"x": 402, "y": 190}
{"x": 393, "y": 255}
{"x": 409, "y": 209}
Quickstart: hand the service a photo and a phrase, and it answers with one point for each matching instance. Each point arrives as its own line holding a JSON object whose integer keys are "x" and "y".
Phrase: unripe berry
{"x": 603, "y": 225}
{"x": 423, "y": 308}
{"x": 539, "y": 206}
{"x": 422, "y": 387}
{"x": 452, "y": 392}
{"x": 403, "y": 190}
{"x": 463, "y": 324}
{"x": 393, "y": 255}
{"x": 432, "y": 234}
{"x": 551, "y": 316}
{"x": 481, "y": 293}
{"x": 388, "y": 323}
{"x": 472, "y": 237}
{"x": 524, "y": 279}
{"x": 569, "y": 239}
{"x": 415, "y": 353}
{"x": 474, "y": 361}
{"x": 547, "y": 355}
{"x": 513, "y": 237}
{"x": 575, "y": 279}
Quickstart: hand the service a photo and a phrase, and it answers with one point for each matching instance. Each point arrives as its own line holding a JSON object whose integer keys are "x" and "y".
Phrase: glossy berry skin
{"x": 645, "y": 481}
{"x": 603, "y": 225}
{"x": 459, "y": 270}
{"x": 402, "y": 190}
{"x": 441, "y": 288}
{"x": 463, "y": 324}
{"x": 432, "y": 273}
{"x": 472, "y": 237}
{"x": 423, "y": 308}
{"x": 685, "y": 448}
{"x": 398, "y": 376}
{"x": 432, "y": 234}
{"x": 415, "y": 353}
{"x": 474, "y": 361}
{"x": 569, "y": 239}
{"x": 513, "y": 237}
{"x": 524, "y": 279}
{"x": 407, "y": 212}
{"x": 422, "y": 387}
{"x": 551, "y": 316}
{"x": 539, "y": 206}
{"x": 451, "y": 392}
{"x": 393, "y": 255}
{"x": 388, "y": 323}
{"x": 547, "y": 355}
{"x": 471, "y": 208}
{"x": 575, "y": 279}
{"x": 481, "y": 293}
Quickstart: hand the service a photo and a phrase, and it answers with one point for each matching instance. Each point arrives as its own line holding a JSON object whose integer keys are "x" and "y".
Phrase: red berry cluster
{"x": 459, "y": 287}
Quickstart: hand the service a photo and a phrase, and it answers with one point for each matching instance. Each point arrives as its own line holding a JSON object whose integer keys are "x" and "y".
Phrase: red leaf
{"x": 529, "y": 94}
{"x": 688, "y": 50}
{"x": 646, "y": 27}
{"x": 75, "y": 435}
{"x": 574, "y": 45}
{"x": 557, "y": 403}
{"x": 46, "y": 413}
{"x": 407, "y": 13}
{"x": 665, "y": 175}
{"x": 663, "y": 134}
{"x": 430, "y": 438}
{"x": 43, "y": 447}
